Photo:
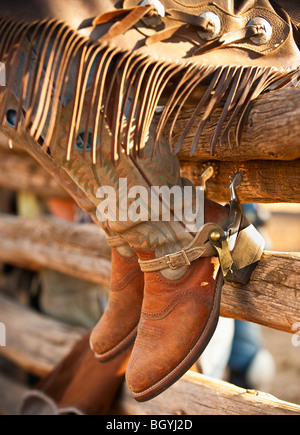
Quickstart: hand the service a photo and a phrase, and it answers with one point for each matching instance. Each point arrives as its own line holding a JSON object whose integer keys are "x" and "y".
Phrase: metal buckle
{"x": 186, "y": 259}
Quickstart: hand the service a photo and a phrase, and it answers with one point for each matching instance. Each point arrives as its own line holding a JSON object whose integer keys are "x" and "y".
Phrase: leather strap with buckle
{"x": 199, "y": 247}
{"x": 170, "y": 257}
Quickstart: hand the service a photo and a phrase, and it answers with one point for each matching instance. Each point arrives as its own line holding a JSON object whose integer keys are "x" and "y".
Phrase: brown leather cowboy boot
{"x": 117, "y": 328}
{"x": 180, "y": 314}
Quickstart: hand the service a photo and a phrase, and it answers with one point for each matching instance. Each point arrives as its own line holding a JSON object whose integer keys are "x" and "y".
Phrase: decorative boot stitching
{"x": 120, "y": 284}
{"x": 185, "y": 294}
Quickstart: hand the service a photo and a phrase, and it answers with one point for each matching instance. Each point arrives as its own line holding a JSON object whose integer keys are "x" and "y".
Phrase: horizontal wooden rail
{"x": 20, "y": 172}
{"x": 268, "y": 157}
{"x": 272, "y": 297}
{"x": 263, "y": 181}
{"x": 81, "y": 250}
{"x": 196, "y": 394}
{"x": 35, "y": 342}
{"x": 78, "y": 250}
{"x": 38, "y": 343}
{"x": 271, "y": 131}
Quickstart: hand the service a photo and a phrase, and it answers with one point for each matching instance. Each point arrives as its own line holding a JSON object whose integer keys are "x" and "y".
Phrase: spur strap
{"x": 199, "y": 247}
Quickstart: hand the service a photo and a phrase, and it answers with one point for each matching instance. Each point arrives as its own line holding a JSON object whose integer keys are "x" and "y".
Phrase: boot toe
{"x": 165, "y": 349}
{"x": 109, "y": 338}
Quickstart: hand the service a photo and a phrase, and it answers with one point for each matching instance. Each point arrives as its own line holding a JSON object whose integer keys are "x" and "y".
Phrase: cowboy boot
{"x": 117, "y": 328}
{"x": 181, "y": 288}
{"x": 180, "y": 314}
{"x": 182, "y": 291}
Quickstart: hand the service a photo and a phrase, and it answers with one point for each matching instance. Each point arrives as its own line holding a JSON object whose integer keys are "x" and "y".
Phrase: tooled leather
{"x": 230, "y": 20}
{"x": 118, "y": 285}
{"x": 292, "y": 7}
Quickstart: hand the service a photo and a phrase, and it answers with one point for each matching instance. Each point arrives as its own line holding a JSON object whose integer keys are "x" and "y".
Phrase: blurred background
{"x": 282, "y": 229}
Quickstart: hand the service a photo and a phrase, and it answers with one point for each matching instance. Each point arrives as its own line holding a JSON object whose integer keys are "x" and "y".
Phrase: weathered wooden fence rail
{"x": 74, "y": 249}
{"x": 38, "y": 343}
{"x": 268, "y": 157}
{"x": 35, "y": 342}
{"x": 263, "y": 180}
{"x": 81, "y": 250}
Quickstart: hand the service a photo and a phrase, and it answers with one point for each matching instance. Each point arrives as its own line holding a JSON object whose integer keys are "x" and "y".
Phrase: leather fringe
{"x": 126, "y": 88}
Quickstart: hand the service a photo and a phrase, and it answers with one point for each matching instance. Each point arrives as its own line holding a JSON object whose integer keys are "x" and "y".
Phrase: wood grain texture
{"x": 74, "y": 249}
{"x": 268, "y": 157}
{"x": 272, "y": 297}
{"x": 35, "y": 342}
{"x": 195, "y": 394}
{"x": 263, "y": 181}
{"x": 271, "y": 131}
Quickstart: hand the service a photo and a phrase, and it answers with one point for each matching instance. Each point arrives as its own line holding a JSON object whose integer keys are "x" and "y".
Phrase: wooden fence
{"x": 269, "y": 162}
